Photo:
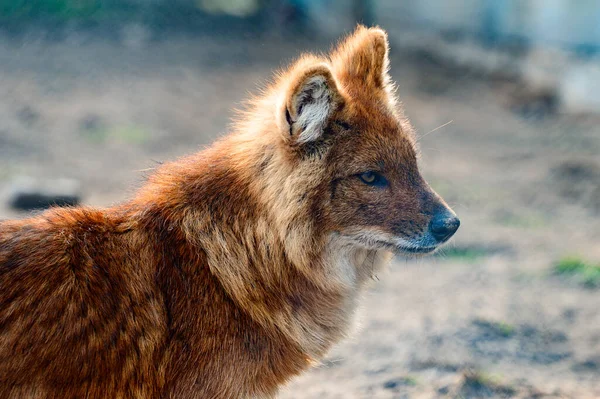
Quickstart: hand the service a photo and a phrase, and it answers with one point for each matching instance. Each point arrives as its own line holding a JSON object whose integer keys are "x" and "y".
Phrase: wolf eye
{"x": 373, "y": 179}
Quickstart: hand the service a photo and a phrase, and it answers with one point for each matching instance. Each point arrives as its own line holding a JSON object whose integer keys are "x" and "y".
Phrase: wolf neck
{"x": 276, "y": 287}
{"x": 313, "y": 310}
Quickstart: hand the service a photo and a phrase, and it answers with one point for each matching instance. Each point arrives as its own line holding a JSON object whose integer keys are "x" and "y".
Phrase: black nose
{"x": 443, "y": 226}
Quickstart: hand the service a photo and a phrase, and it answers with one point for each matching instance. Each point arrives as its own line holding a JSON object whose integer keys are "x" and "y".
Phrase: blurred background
{"x": 504, "y": 95}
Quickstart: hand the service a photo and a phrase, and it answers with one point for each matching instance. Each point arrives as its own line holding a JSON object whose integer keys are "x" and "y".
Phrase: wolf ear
{"x": 310, "y": 100}
{"x": 363, "y": 55}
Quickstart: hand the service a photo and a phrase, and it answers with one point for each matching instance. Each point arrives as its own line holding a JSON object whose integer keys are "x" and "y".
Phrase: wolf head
{"x": 340, "y": 154}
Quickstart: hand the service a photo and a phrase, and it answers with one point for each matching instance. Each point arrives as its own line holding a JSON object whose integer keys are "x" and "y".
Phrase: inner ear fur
{"x": 364, "y": 56}
{"x": 312, "y": 97}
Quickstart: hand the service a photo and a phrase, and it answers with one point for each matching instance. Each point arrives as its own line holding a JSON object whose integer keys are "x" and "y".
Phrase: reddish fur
{"x": 215, "y": 280}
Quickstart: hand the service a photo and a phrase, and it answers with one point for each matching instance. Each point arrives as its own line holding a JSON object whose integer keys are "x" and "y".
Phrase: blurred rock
{"x": 592, "y": 364}
{"x": 534, "y": 103}
{"x": 576, "y": 170}
{"x": 578, "y": 180}
{"x": 28, "y": 116}
{"x": 92, "y": 122}
{"x": 27, "y": 193}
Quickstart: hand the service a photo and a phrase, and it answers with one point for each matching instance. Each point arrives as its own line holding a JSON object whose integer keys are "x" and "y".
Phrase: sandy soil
{"x": 485, "y": 318}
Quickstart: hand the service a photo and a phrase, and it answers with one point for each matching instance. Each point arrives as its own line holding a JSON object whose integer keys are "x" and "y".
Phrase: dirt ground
{"x": 488, "y": 317}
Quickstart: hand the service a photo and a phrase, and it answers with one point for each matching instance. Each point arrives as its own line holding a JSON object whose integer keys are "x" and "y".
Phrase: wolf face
{"x": 345, "y": 133}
